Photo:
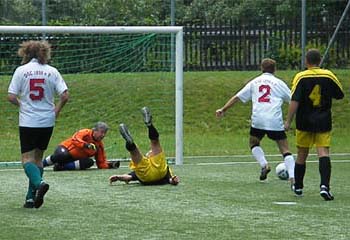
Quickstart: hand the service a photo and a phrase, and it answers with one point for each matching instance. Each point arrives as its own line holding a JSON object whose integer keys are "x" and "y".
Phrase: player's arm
{"x": 221, "y": 111}
{"x": 78, "y": 139}
{"x": 125, "y": 177}
{"x": 63, "y": 100}
{"x": 293, "y": 107}
{"x": 12, "y": 98}
{"x": 173, "y": 179}
{"x": 101, "y": 158}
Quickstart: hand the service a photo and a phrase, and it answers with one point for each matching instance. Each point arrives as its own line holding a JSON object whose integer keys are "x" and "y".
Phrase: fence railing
{"x": 237, "y": 46}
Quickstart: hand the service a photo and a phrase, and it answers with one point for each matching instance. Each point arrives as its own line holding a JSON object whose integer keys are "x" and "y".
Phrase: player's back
{"x": 267, "y": 94}
{"x": 314, "y": 90}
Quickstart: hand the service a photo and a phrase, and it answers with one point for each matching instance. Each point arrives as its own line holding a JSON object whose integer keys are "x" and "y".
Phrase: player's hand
{"x": 113, "y": 164}
{"x": 174, "y": 180}
{"x": 90, "y": 146}
{"x": 286, "y": 125}
{"x": 113, "y": 178}
{"x": 220, "y": 113}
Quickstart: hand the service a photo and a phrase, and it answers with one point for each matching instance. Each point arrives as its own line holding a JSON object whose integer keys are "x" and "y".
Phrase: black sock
{"x": 130, "y": 146}
{"x": 325, "y": 170}
{"x": 299, "y": 173}
{"x": 152, "y": 132}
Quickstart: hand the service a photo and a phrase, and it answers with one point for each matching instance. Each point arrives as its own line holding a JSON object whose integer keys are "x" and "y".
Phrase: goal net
{"x": 111, "y": 73}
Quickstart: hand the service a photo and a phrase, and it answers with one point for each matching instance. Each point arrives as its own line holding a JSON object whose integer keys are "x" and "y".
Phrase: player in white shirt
{"x": 32, "y": 89}
{"x": 267, "y": 94}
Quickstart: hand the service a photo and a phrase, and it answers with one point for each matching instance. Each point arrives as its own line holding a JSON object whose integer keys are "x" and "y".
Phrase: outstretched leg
{"x": 135, "y": 153}
{"x": 153, "y": 134}
{"x": 259, "y": 155}
{"x": 287, "y": 157}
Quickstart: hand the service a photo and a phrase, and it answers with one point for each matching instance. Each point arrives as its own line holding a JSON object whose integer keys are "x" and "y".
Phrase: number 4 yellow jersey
{"x": 314, "y": 90}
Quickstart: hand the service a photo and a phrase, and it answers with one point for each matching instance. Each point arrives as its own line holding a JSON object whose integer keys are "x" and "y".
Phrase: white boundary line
{"x": 254, "y": 162}
{"x": 18, "y": 167}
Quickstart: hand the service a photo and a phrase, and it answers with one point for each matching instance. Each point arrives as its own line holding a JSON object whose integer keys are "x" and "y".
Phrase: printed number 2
{"x": 315, "y": 96}
{"x": 36, "y": 90}
{"x": 265, "y": 89}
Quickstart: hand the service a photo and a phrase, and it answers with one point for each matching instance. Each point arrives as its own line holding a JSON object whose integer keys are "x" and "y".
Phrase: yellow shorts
{"x": 309, "y": 139}
{"x": 150, "y": 169}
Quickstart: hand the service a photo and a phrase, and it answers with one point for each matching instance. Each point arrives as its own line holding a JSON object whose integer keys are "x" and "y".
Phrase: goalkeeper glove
{"x": 113, "y": 164}
{"x": 90, "y": 146}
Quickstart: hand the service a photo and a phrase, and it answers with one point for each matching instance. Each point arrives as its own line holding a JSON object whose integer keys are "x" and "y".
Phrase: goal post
{"x": 45, "y": 32}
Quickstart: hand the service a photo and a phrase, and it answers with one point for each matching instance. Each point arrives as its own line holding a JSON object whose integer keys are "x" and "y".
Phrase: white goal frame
{"x": 177, "y": 30}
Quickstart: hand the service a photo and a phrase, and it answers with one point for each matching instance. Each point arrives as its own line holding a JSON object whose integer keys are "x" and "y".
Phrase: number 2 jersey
{"x": 267, "y": 94}
{"x": 314, "y": 89}
{"x": 36, "y": 85}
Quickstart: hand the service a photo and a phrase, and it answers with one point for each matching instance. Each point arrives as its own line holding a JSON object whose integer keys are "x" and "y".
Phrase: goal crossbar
{"x": 177, "y": 30}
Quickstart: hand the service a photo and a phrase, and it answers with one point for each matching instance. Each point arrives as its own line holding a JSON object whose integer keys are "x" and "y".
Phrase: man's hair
{"x": 313, "y": 56}
{"x": 268, "y": 65}
{"x": 101, "y": 125}
{"x": 40, "y": 50}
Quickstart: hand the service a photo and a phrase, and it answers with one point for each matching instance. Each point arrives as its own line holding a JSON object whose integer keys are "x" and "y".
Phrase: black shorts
{"x": 274, "y": 135}
{"x": 32, "y": 138}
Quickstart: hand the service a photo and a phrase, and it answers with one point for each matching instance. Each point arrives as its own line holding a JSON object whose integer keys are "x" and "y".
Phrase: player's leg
{"x": 322, "y": 141}
{"x": 303, "y": 140}
{"x": 60, "y": 156}
{"x": 136, "y": 155}
{"x": 42, "y": 141}
{"x": 153, "y": 134}
{"x": 81, "y": 164}
{"x": 28, "y": 138}
{"x": 258, "y": 153}
{"x": 29, "y": 202}
{"x": 287, "y": 157}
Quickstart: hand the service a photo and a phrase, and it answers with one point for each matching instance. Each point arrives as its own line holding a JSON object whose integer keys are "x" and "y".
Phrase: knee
{"x": 61, "y": 155}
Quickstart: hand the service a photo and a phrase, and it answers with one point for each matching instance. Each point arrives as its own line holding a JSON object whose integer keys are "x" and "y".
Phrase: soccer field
{"x": 216, "y": 199}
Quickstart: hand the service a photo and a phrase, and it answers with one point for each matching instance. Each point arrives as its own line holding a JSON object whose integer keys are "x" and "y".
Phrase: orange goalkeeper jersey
{"x": 77, "y": 149}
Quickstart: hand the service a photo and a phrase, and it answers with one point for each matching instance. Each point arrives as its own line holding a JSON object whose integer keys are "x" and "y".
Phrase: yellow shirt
{"x": 151, "y": 169}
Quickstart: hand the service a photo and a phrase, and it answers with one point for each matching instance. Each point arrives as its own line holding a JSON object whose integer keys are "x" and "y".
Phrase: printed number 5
{"x": 315, "y": 96}
{"x": 266, "y": 89}
{"x": 36, "y": 90}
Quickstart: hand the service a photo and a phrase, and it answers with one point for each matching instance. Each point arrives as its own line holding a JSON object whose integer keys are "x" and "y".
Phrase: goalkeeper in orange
{"x": 75, "y": 152}
{"x": 151, "y": 169}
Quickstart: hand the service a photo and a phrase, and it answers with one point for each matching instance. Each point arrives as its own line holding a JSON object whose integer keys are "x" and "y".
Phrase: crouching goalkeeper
{"x": 151, "y": 169}
{"x": 75, "y": 152}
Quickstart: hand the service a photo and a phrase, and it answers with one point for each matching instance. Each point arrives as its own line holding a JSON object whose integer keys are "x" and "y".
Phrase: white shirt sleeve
{"x": 61, "y": 86}
{"x": 14, "y": 86}
{"x": 245, "y": 94}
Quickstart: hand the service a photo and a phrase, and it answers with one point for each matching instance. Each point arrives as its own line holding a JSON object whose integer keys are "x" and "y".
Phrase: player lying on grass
{"x": 75, "y": 152}
{"x": 267, "y": 93}
{"x": 151, "y": 169}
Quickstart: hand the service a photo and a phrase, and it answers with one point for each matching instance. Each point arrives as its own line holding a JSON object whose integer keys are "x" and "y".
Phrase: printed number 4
{"x": 315, "y": 96}
{"x": 266, "y": 90}
{"x": 36, "y": 90}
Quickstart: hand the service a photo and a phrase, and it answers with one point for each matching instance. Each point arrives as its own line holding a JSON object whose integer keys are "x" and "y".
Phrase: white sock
{"x": 259, "y": 156}
{"x": 48, "y": 160}
{"x": 290, "y": 164}
{"x": 77, "y": 164}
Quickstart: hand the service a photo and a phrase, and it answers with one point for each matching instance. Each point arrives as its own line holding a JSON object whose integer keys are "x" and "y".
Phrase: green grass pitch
{"x": 215, "y": 200}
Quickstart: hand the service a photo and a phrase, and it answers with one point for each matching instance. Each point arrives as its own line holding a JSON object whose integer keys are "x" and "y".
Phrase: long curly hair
{"x": 40, "y": 50}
